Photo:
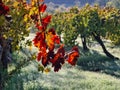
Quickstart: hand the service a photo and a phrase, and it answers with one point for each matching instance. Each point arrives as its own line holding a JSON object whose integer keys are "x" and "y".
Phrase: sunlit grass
{"x": 68, "y": 78}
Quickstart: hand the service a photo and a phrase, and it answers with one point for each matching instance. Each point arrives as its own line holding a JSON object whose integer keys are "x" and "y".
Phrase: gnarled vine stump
{"x": 5, "y": 57}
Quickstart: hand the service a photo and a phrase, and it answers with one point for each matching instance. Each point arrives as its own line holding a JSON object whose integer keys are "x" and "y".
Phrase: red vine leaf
{"x": 58, "y": 59}
{"x": 39, "y": 40}
{"x": 72, "y": 57}
{"x": 42, "y": 8}
{"x": 42, "y": 55}
{"x": 45, "y": 61}
{"x": 41, "y": 28}
{"x": 46, "y": 21}
{"x": 51, "y": 39}
{"x": 61, "y": 50}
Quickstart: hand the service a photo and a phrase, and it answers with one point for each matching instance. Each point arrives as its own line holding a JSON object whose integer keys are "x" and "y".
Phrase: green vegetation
{"x": 62, "y": 24}
{"x": 90, "y": 23}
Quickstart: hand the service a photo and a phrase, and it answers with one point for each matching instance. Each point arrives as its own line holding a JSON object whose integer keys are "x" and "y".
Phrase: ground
{"x": 94, "y": 71}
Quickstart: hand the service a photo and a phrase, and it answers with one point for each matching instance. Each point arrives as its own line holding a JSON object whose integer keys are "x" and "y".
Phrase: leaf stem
{"x": 39, "y": 18}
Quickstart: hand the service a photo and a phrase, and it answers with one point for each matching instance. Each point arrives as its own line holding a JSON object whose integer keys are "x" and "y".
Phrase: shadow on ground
{"x": 94, "y": 61}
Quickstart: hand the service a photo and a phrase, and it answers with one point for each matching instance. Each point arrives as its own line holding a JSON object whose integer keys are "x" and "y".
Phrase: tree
{"x": 66, "y": 25}
{"x": 111, "y": 16}
{"x": 97, "y": 22}
{"x": 81, "y": 27}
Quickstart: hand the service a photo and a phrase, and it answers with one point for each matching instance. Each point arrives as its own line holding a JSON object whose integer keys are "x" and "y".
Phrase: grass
{"x": 91, "y": 73}
{"x": 94, "y": 71}
{"x": 68, "y": 78}
{"x": 100, "y": 63}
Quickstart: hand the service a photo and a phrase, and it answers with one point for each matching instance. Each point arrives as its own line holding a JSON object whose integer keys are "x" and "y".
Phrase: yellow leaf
{"x": 49, "y": 40}
{"x": 32, "y": 10}
{"x": 5, "y": 36}
{"x": 25, "y": 18}
{"x": 18, "y": 13}
{"x": 15, "y": 4}
{"x": 47, "y": 70}
{"x": 30, "y": 48}
{"x": 7, "y": 0}
{"x": 33, "y": 57}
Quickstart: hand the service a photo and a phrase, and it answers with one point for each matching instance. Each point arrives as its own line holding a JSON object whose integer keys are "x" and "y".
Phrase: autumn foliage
{"x": 46, "y": 38}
